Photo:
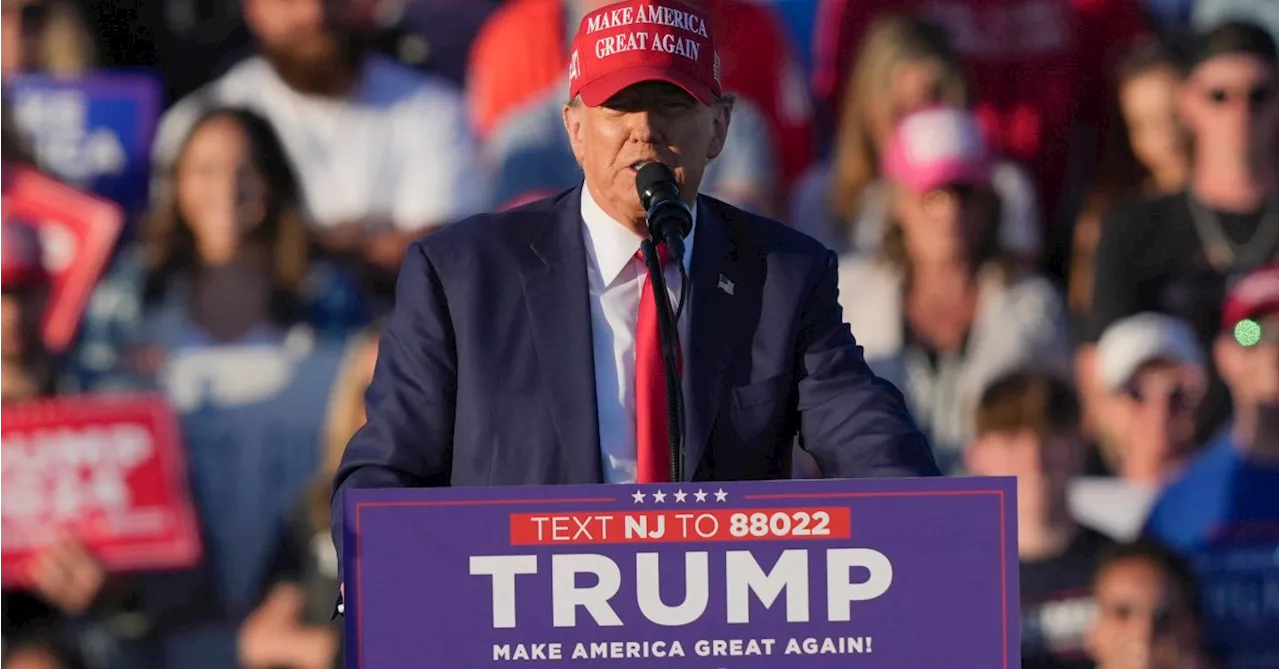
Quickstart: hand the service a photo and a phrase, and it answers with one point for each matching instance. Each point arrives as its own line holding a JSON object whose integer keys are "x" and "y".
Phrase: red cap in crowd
{"x": 21, "y": 255}
{"x": 1253, "y": 295}
{"x": 644, "y": 40}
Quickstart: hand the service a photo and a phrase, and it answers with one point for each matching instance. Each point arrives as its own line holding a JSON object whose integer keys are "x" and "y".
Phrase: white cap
{"x": 1132, "y": 342}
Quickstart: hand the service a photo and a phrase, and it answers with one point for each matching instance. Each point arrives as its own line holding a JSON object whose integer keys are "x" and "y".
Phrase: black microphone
{"x": 669, "y": 216}
{"x": 669, "y": 221}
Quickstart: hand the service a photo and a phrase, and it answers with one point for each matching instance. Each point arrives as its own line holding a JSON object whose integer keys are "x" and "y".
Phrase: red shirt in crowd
{"x": 1038, "y": 66}
{"x": 522, "y": 49}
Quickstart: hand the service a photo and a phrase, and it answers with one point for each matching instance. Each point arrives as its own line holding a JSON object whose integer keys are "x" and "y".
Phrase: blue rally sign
{"x": 92, "y": 132}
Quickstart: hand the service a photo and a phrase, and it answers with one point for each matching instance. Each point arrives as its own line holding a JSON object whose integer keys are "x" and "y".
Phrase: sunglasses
{"x": 965, "y": 194}
{"x": 1256, "y": 97}
{"x": 1178, "y": 397}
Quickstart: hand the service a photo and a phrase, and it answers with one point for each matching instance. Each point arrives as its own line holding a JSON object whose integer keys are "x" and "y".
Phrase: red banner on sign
{"x": 108, "y": 470}
{"x": 77, "y": 233}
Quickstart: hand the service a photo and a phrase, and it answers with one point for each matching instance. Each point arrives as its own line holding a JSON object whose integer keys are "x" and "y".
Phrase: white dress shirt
{"x": 615, "y": 279}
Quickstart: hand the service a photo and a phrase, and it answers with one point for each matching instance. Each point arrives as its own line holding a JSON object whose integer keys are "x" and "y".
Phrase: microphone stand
{"x": 670, "y": 357}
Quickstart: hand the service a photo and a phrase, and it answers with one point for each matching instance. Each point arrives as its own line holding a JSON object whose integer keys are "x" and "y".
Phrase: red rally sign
{"x": 109, "y": 470}
{"x": 77, "y": 231}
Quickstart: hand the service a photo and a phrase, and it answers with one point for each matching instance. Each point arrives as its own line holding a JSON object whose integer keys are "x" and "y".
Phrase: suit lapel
{"x": 555, "y": 290}
{"x": 716, "y": 275}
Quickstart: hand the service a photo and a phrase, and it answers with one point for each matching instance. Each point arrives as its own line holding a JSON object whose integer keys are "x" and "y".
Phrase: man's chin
{"x": 318, "y": 70}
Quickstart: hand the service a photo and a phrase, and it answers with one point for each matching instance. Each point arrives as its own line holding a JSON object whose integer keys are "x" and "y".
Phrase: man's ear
{"x": 573, "y": 126}
{"x": 721, "y": 112}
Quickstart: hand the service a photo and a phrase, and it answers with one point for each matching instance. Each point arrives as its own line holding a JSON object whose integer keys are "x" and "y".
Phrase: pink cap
{"x": 938, "y": 147}
{"x": 629, "y": 42}
{"x": 21, "y": 255}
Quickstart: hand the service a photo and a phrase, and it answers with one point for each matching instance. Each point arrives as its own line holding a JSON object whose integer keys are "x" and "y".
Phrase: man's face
{"x": 648, "y": 121}
{"x": 1043, "y": 465}
{"x": 300, "y": 37}
{"x": 1250, "y": 363}
{"x": 1229, "y": 104}
{"x": 943, "y": 223}
{"x": 1153, "y": 417}
{"x": 1142, "y": 621}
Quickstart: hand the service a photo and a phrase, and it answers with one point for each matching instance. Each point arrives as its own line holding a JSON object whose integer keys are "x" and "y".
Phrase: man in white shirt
{"x": 383, "y": 153}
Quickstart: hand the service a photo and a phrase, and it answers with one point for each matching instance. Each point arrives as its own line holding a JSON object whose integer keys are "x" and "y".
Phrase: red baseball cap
{"x": 643, "y": 40}
{"x": 1254, "y": 294}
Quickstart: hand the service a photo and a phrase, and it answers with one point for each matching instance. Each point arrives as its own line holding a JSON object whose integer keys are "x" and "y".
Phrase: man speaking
{"x": 524, "y": 346}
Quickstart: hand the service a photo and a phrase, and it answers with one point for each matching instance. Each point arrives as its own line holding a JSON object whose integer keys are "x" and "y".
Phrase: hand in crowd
{"x": 274, "y": 635}
{"x": 385, "y": 250}
{"x": 68, "y": 577}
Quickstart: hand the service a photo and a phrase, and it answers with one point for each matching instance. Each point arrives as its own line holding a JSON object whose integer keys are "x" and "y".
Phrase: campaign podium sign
{"x": 108, "y": 470}
{"x": 878, "y": 574}
{"x": 93, "y": 132}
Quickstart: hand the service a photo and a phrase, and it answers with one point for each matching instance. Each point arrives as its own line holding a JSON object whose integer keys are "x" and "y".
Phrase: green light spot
{"x": 1248, "y": 332}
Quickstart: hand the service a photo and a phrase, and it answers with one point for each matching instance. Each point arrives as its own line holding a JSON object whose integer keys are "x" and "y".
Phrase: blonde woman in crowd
{"x": 942, "y": 308}
{"x": 905, "y": 64}
{"x": 292, "y": 628}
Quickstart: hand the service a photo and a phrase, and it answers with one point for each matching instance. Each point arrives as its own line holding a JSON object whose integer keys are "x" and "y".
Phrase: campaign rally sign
{"x": 107, "y": 470}
{"x": 77, "y": 233}
{"x": 879, "y": 574}
{"x": 93, "y": 132}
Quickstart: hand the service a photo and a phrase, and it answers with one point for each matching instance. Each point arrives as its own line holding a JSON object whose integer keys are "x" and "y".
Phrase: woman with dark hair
{"x": 232, "y": 227}
{"x": 1145, "y": 153}
{"x": 225, "y": 309}
{"x": 942, "y": 309}
{"x": 225, "y": 251}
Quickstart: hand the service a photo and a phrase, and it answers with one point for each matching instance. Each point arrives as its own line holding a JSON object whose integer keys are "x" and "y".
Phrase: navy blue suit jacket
{"x": 485, "y": 374}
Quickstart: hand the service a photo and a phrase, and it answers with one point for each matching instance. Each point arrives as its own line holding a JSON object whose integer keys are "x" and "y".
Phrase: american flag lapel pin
{"x": 725, "y": 284}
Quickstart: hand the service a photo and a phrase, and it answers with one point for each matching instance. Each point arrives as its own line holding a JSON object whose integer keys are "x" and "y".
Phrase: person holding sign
{"x": 522, "y": 349}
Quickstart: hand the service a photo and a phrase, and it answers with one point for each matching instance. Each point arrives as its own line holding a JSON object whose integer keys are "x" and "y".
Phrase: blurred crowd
{"x": 1057, "y": 229}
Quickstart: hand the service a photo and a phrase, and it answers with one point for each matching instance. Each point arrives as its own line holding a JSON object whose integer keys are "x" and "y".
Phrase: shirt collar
{"x": 611, "y": 245}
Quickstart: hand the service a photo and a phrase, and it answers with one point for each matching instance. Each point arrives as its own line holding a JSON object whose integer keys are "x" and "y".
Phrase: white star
{"x": 700, "y": 496}
{"x": 721, "y": 495}
{"x": 680, "y": 495}
{"x": 638, "y": 497}
{"x": 659, "y": 496}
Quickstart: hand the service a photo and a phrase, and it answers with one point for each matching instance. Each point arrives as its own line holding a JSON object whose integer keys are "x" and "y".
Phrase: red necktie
{"x": 653, "y": 446}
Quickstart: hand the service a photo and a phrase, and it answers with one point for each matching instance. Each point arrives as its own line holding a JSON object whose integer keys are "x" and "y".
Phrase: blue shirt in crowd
{"x": 1221, "y": 514}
